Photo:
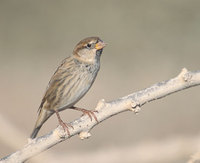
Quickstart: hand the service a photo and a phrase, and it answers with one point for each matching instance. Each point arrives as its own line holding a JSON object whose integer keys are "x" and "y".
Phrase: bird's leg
{"x": 88, "y": 112}
{"x": 64, "y": 125}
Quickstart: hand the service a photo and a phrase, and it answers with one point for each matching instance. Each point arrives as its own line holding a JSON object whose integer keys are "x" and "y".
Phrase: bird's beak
{"x": 100, "y": 45}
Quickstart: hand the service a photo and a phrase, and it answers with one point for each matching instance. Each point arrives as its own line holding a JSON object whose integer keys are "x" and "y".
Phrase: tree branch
{"x": 83, "y": 125}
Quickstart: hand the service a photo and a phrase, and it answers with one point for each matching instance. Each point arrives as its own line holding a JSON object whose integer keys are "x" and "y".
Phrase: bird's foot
{"x": 66, "y": 127}
{"x": 63, "y": 124}
{"x": 87, "y": 112}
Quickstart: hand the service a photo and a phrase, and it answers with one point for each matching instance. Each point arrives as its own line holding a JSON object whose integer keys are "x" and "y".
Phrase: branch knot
{"x": 134, "y": 106}
{"x": 84, "y": 135}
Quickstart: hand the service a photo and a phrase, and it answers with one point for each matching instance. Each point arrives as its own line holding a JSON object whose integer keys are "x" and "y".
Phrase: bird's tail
{"x": 42, "y": 117}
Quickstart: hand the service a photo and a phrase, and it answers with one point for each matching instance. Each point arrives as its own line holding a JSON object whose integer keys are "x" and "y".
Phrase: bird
{"x": 70, "y": 82}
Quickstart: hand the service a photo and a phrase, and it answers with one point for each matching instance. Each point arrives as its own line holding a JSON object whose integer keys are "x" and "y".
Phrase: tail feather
{"x": 42, "y": 117}
{"x": 35, "y": 132}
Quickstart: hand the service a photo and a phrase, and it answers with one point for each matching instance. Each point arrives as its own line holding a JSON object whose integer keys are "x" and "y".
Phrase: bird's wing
{"x": 55, "y": 84}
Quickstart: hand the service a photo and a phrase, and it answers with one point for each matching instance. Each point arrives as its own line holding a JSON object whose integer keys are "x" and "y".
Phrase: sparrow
{"x": 70, "y": 82}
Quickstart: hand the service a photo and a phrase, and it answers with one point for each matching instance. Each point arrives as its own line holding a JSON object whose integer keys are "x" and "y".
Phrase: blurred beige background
{"x": 148, "y": 42}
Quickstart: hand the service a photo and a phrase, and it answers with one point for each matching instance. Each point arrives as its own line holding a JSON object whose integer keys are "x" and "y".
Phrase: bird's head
{"x": 89, "y": 49}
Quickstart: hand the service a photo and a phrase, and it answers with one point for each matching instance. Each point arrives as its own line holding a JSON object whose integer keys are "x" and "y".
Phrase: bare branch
{"x": 83, "y": 125}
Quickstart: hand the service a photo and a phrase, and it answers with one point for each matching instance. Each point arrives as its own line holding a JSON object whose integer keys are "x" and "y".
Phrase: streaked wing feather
{"x": 56, "y": 81}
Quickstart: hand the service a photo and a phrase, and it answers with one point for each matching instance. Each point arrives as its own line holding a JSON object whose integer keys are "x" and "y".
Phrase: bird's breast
{"x": 77, "y": 85}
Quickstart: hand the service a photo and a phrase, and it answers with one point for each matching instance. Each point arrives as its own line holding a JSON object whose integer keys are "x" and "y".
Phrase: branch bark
{"x": 83, "y": 125}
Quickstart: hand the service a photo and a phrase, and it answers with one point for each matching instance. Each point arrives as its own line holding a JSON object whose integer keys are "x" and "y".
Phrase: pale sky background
{"x": 148, "y": 42}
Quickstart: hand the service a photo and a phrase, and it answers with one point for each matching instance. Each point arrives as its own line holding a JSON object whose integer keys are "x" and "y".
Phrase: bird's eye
{"x": 88, "y": 45}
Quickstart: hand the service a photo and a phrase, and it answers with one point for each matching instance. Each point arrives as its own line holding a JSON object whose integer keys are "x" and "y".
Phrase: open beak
{"x": 100, "y": 45}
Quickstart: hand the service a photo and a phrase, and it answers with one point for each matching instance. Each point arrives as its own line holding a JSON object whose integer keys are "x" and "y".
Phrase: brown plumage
{"x": 71, "y": 81}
